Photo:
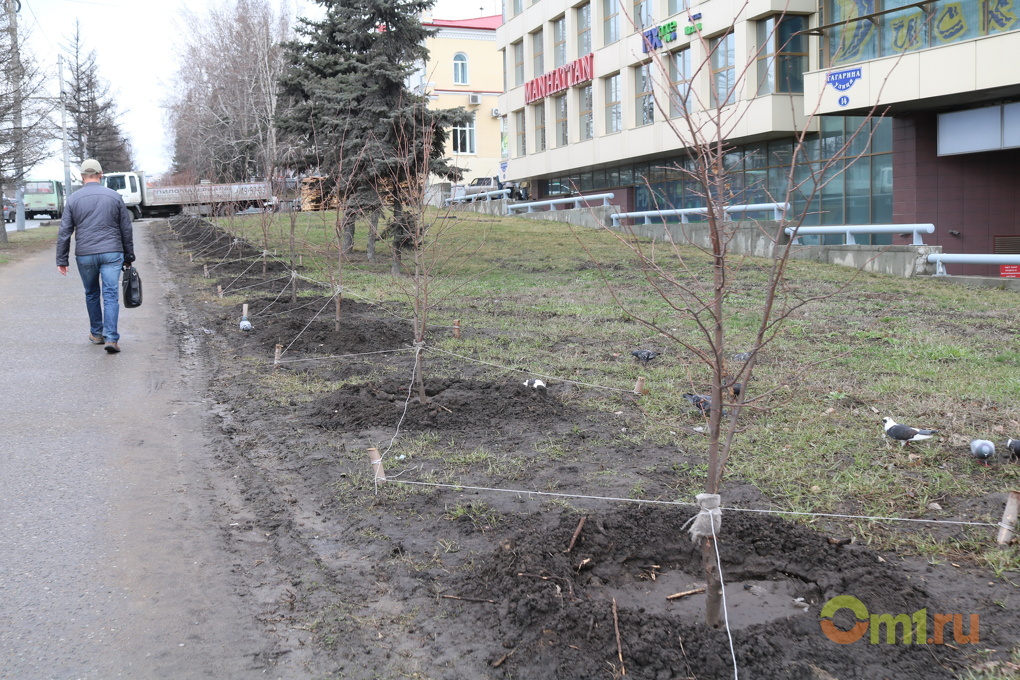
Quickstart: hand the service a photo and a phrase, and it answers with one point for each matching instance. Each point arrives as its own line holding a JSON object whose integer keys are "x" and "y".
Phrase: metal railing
{"x": 939, "y": 259}
{"x": 551, "y": 204}
{"x": 471, "y": 198}
{"x": 778, "y": 212}
{"x": 848, "y": 230}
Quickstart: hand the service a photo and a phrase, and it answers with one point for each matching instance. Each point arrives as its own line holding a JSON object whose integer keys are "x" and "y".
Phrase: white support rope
{"x": 277, "y": 298}
{"x": 346, "y": 356}
{"x": 238, "y": 277}
{"x": 307, "y": 325}
{"x": 725, "y": 609}
{"x": 261, "y": 283}
{"x": 641, "y": 501}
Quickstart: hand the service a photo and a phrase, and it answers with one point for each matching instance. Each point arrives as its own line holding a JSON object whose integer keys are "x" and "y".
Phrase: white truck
{"x": 198, "y": 199}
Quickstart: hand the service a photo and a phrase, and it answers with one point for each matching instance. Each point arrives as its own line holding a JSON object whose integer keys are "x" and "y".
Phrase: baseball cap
{"x": 91, "y": 166}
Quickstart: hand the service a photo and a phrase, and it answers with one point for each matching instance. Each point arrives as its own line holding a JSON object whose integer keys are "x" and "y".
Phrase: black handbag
{"x": 132, "y": 285}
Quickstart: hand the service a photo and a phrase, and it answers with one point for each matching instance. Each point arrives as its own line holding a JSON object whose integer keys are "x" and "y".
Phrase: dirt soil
{"x": 464, "y": 582}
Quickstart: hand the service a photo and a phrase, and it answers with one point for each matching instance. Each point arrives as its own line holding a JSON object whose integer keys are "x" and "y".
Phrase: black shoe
{"x": 96, "y": 339}
{"x": 112, "y": 348}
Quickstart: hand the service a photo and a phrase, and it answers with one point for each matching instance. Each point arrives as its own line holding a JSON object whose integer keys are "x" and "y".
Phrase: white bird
{"x": 535, "y": 383}
{"x": 982, "y": 449}
{"x": 245, "y": 324}
{"x": 904, "y": 433}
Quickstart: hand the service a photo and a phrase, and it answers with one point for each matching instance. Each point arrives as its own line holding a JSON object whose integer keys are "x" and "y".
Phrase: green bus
{"x": 44, "y": 197}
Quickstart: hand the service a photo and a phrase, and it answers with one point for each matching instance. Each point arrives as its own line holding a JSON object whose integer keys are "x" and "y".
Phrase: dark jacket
{"x": 100, "y": 221}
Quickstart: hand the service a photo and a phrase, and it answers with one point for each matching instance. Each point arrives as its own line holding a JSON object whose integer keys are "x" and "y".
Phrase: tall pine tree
{"x": 352, "y": 113}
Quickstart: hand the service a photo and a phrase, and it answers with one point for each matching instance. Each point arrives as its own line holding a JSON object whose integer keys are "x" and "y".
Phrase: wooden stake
{"x": 577, "y": 532}
{"x": 191, "y": 257}
{"x": 219, "y": 290}
{"x": 619, "y": 643}
{"x": 244, "y": 310}
{"x": 277, "y": 355}
{"x": 205, "y": 270}
{"x": 677, "y": 596}
{"x": 456, "y": 329}
{"x": 377, "y": 469}
{"x": 1009, "y": 519}
{"x": 639, "y": 387}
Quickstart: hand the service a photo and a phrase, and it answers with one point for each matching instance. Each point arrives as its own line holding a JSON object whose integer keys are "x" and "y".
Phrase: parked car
{"x": 10, "y": 210}
{"x": 480, "y": 185}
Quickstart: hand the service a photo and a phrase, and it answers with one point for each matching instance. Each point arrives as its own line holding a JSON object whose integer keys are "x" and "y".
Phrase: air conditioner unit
{"x": 495, "y": 113}
{"x": 474, "y": 99}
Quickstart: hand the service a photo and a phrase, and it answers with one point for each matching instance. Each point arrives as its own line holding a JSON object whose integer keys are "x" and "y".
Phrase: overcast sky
{"x": 135, "y": 45}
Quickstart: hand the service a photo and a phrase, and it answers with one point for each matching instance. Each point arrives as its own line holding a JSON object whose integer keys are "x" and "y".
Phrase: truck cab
{"x": 128, "y": 185}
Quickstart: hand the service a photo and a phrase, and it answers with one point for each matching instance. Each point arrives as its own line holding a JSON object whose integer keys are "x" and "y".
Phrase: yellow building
{"x": 465, "y": 69}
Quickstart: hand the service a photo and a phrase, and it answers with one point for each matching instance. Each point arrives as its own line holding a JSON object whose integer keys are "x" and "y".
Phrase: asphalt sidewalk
{"x": 112, "y": 562}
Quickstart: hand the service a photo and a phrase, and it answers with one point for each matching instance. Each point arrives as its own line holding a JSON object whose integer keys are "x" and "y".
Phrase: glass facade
{"x": 644, "y": 99}
{"x": 583, "y": 29}
{"x": 908, "y": 29}
{"x": 841, "y": 175}
{"x": 724, "y": 70}
{"x": 586, "y": 119}
{"x": 782, "y": 54}
{"x": 680, "y": 80}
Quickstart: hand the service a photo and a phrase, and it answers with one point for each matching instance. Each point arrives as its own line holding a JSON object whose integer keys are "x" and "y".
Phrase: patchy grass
{"x": 23, "y": 243}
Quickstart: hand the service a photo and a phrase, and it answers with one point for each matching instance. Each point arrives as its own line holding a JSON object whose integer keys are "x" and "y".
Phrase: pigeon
{"x": 245, "y": 324}
{"x": 982, "y": 449}
{"x": 702, "y": 402}
{"x": 1014, "y": 447}
{"x": 903, "y": 433}
{"x": 644, "y": 355}
{"x": 535, "y": 383}
{"x": 742, "y": 356}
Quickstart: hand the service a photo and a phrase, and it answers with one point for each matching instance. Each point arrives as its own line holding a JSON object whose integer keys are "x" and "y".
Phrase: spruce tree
{"x": 349, "y": 108}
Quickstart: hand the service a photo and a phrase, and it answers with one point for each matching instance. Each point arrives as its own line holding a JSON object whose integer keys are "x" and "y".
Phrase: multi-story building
{"x": 464, "y": 70}
{"x": 913, "y": 106}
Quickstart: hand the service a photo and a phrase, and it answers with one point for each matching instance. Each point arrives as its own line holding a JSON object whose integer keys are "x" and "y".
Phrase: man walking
{"x": 102, "y": 245}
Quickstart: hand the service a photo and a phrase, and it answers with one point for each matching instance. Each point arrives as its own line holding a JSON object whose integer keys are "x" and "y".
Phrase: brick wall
{"x": 976, "y": 194}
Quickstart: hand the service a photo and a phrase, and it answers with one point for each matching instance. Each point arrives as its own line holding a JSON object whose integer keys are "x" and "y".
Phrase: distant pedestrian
{"x": 103, "y": 243}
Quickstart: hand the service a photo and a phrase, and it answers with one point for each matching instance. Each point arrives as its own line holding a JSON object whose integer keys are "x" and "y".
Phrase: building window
{"x": 644, "y": 99}
{"x": 562, "y": 129}
{"x": 782, "y": 54}
{"x": 539, "y": 110}
{"x": 518, "y": 49}
{"x": 584, "y": 30}
{"x": 677, "y": 6}
{"x": 611, "y": 86}
{"x": 643, "y": 14}
{"x": 724, "y": 71}
{"x": 610, "y": 21}
{"x": 464, "y": 137}
{"x": 680, "y": 83}
{"x": 560, "y": 42}
{"x": 585, "y": 119}
{"x": 460, "y": 69}
{"x": 518, "y": 6}
{"x": 521, "y": 130}
{"x": 538, "y": 52}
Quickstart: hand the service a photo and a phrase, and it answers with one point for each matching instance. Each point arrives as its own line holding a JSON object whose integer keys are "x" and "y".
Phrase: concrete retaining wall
{"x": 748, "y": 238}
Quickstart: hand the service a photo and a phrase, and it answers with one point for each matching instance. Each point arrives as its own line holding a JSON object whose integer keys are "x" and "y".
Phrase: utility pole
{"x": 63, "y": 125}
{"x": 13, "y": 7}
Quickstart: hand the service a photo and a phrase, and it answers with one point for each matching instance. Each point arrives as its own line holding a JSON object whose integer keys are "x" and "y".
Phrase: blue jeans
{"x": 101, "y": 275}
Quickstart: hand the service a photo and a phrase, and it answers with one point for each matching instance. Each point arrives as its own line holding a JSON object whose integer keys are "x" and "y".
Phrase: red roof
{"x": 490, "y": 23}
